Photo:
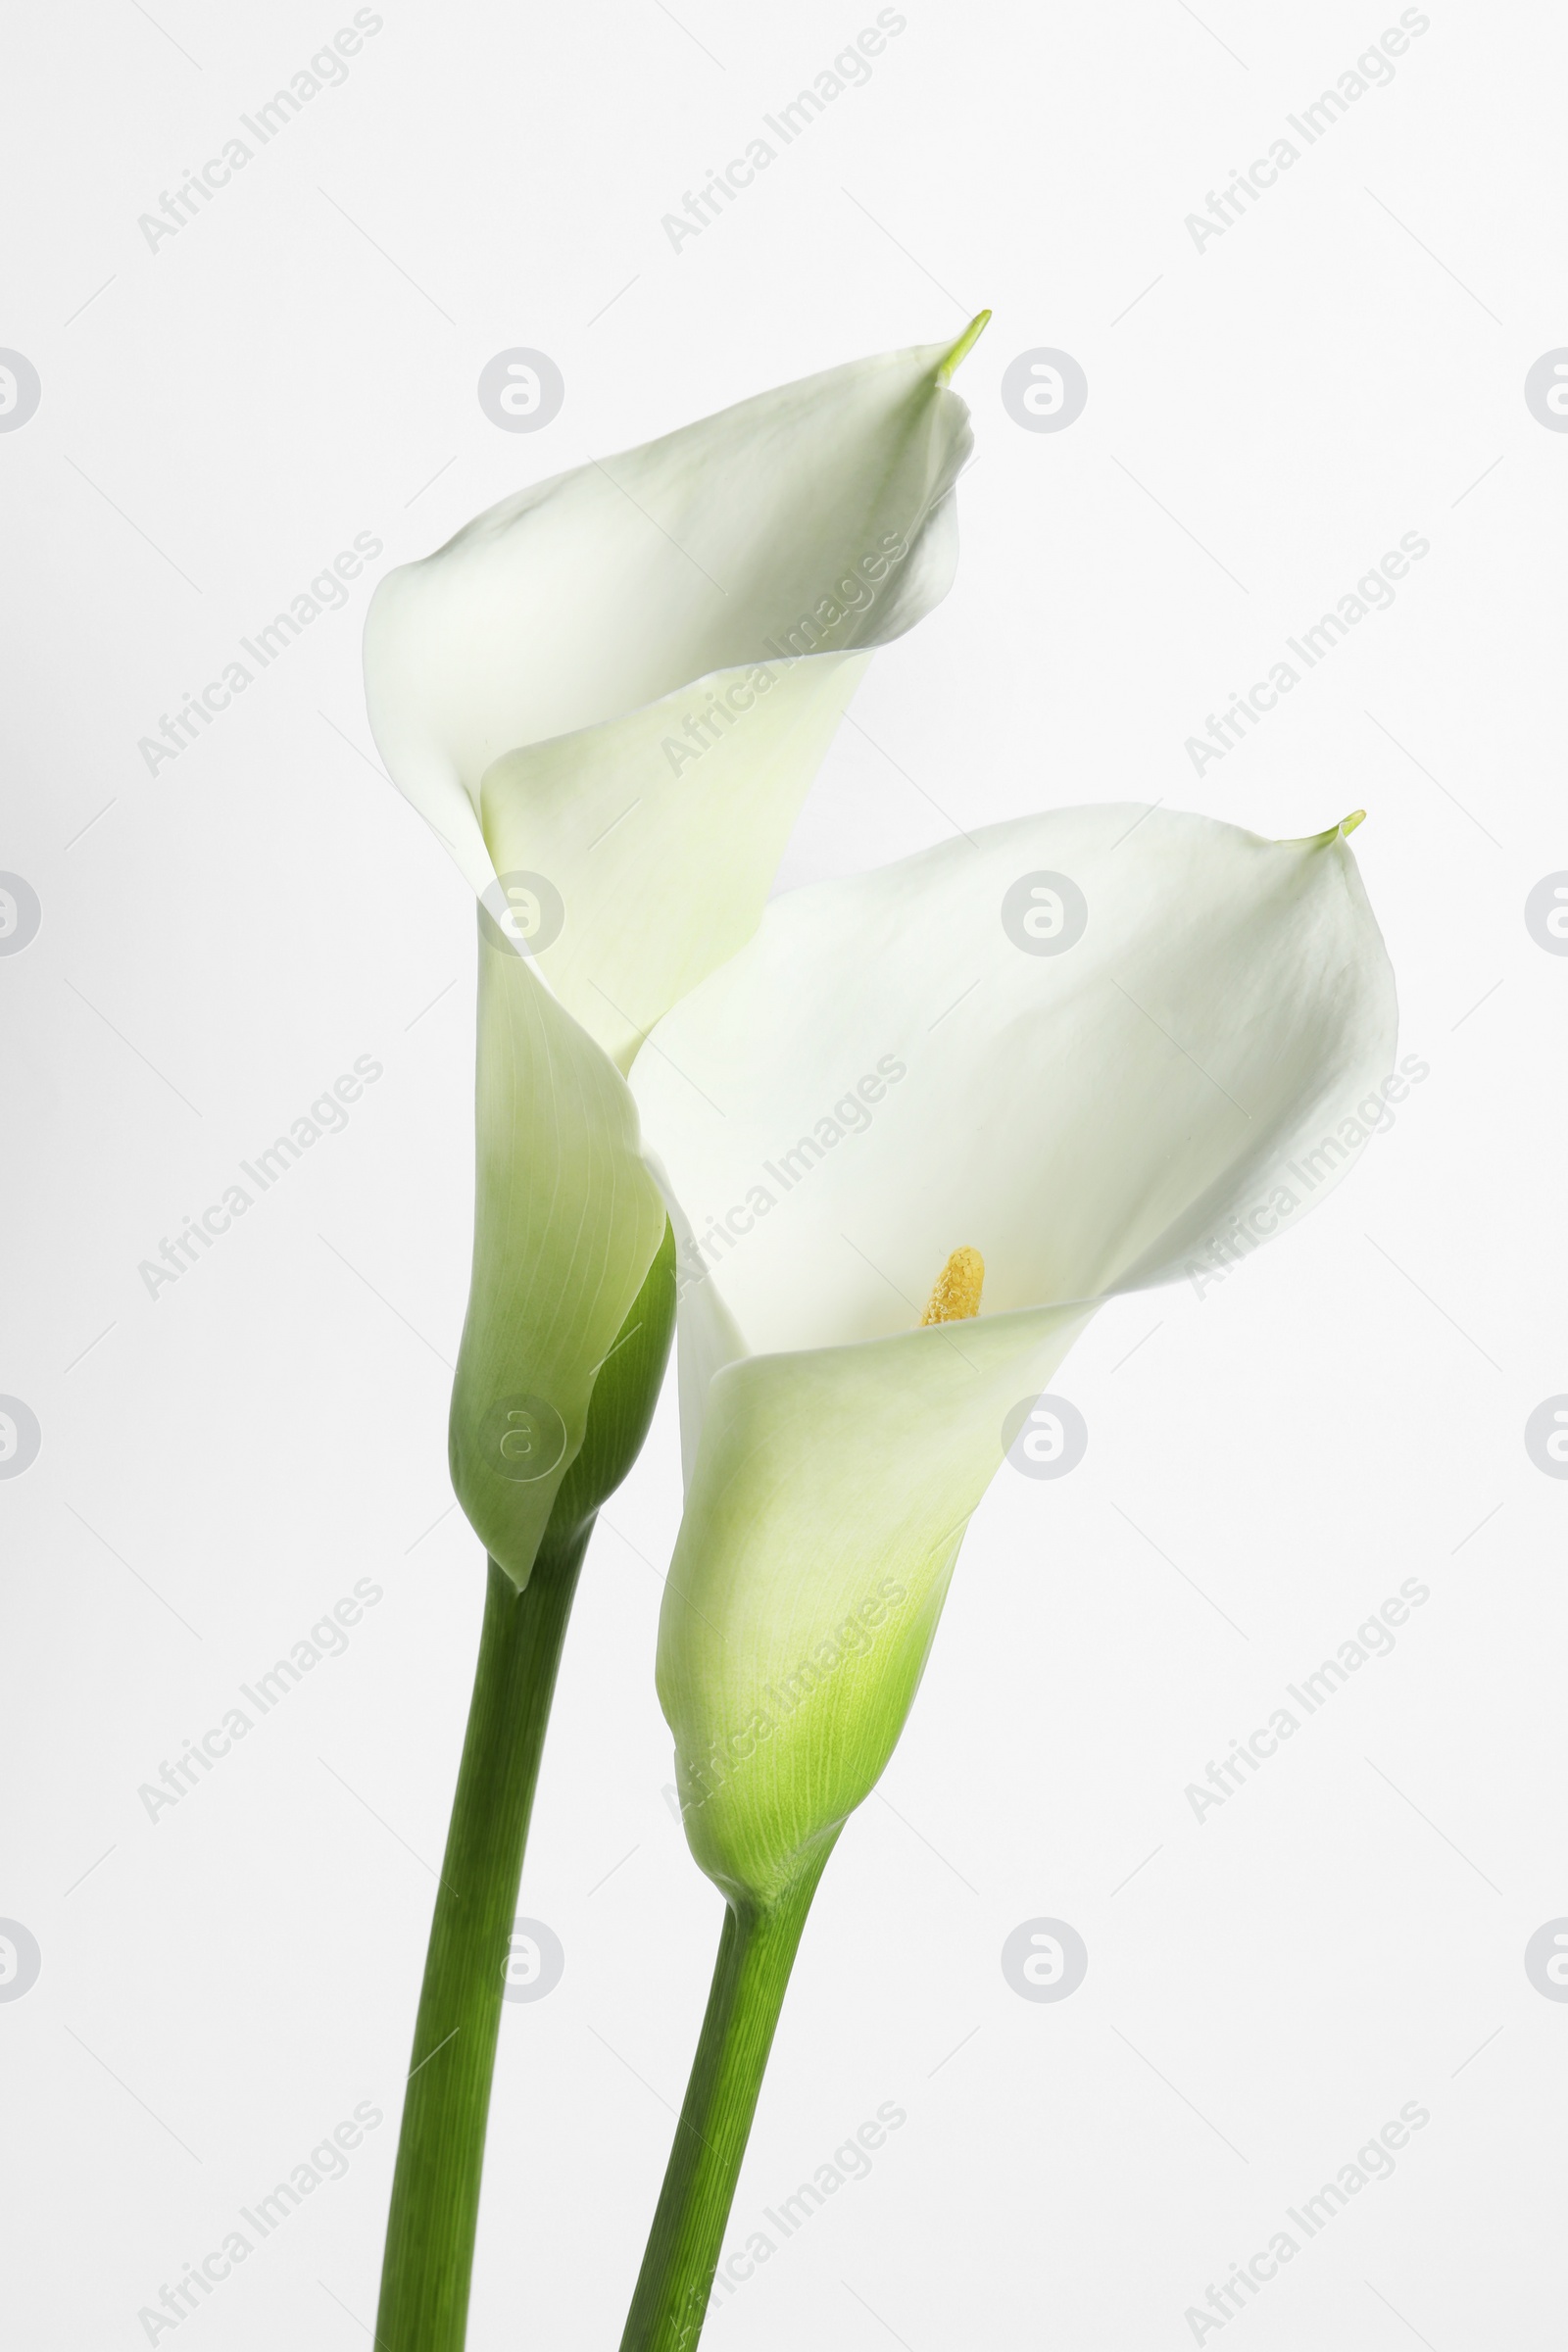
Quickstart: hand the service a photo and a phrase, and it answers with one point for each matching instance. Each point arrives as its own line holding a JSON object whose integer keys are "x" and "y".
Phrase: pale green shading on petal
{"x": 831, "y": 1494}
{"x": 568, "y": 1220}
{"x": 659, "y": 893}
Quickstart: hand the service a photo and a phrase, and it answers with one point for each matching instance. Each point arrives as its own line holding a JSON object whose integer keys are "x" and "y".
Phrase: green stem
{"x": 435, "y": 2188}
{"x": 755, "y": 1953}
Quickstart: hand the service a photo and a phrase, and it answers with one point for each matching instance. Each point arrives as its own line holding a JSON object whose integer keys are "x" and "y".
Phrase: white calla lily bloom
{"x": 1099, "y": 1047}
{"x": 621, "y": 681}
{"x": 609, "y": 695}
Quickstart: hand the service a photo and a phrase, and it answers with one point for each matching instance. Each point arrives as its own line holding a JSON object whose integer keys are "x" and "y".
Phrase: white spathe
{"x": 892, "y": 1070}
{"x": 623, "y": 679}
{"x": 608, "y": 695}
{"x": 1087, "y": 1119}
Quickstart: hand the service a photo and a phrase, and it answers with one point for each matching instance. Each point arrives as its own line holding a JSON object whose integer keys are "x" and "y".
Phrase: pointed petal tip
{"x": 1320, "y": 841}
{"x": 960, "y": 351}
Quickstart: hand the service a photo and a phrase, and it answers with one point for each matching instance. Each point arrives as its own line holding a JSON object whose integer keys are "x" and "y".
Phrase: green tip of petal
{"x": 1320, "y": 841}
{"x": 961, "y": 349}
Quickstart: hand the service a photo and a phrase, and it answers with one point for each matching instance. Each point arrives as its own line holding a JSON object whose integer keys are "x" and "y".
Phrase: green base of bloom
{"x": 568, "y": 1221}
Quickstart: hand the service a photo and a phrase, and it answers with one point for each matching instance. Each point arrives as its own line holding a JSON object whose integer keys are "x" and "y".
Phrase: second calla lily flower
{"x": 1080, "y": 1054}
{"x": 922, "y": 1126}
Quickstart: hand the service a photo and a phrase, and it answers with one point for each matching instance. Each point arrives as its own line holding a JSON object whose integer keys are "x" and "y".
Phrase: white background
{"x": 218, "y": 941}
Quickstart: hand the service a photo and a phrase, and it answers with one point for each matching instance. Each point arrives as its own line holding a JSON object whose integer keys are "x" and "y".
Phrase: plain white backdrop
{"x": 221, "y": 412}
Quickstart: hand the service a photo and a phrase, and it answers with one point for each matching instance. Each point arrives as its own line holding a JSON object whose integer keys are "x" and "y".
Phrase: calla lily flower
{"x": 609, "y": 695}
{"x": 622, "y": 680}
{"x": 920, "y": 1128}
{"x": 994, "y": 1084}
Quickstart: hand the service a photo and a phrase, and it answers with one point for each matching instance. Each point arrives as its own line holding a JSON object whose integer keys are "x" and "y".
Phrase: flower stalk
{"x": 435, "y": 2188}
{"x": 434, "y": 2213}
{"x": 756, "y": 1955}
